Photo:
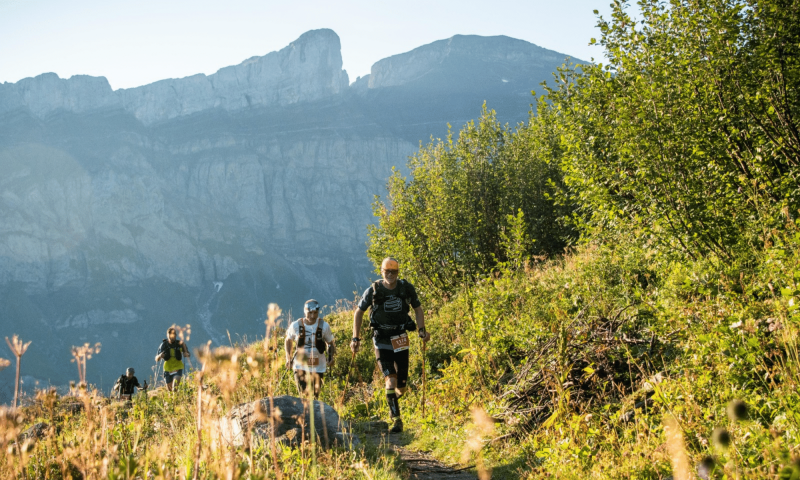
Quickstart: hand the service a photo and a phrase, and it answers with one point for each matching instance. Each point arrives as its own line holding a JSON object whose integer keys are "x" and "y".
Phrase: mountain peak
{"x": 464, "y": 56}
{"x": 307, "y": 69}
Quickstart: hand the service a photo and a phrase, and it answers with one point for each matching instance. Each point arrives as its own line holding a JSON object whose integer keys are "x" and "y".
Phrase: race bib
{"x": 311, "y": 362}
{"x": 400, "y": 342}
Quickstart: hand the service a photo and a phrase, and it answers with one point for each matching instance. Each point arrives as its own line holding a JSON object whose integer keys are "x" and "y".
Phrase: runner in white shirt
{"x": 314, "y": 338}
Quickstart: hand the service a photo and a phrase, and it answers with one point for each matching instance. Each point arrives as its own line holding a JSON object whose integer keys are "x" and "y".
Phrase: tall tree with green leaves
{"x": 690, "y": 133}
{"x": 472, "y": 203}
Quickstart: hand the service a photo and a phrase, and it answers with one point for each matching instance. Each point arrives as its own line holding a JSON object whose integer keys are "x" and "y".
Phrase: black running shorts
{"x": 393, "y": 363}
{"x": 302, "y": 378}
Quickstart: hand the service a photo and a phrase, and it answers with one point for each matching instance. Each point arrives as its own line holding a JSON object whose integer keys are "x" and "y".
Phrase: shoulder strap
{"x": 377, "y": 294}
{"x": 165, "y": 349}
{"x": 301, "y": 335}
{"x": 319, "y": 342}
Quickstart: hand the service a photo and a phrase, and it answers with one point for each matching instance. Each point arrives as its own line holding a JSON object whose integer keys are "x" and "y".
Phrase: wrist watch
{"x": 356, "y": 339}
{"x": 421, "y": 332}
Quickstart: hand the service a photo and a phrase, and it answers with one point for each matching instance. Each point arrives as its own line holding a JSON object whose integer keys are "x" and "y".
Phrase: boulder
{"x": 292, "y": 419}
{"x": 34, "y": 432}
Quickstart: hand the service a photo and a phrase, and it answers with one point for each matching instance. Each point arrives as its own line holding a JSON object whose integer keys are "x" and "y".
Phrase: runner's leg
{"x": 386, "y": 361}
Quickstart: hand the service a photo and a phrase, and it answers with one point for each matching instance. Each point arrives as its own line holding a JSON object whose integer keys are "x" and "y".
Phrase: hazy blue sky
{"x": 137, "y": 42}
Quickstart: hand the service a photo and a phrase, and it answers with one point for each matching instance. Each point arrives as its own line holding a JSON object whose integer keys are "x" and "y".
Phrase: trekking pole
{"x": 347, "y": 380}
{"x": 424, "y": 344}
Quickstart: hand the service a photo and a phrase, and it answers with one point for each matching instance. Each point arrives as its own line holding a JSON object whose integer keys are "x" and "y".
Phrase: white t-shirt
{"x": 310, "y": 359}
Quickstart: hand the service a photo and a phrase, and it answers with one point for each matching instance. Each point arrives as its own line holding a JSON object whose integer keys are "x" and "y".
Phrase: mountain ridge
{"x": 117, "y": 219}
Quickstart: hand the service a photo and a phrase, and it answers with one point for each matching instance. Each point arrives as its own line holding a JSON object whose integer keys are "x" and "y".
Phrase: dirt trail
{"x": 421, "y": 466}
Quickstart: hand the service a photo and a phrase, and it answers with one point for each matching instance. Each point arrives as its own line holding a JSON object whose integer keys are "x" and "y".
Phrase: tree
{"x": 472, "y": 203}
{"x": 690, "y": 133}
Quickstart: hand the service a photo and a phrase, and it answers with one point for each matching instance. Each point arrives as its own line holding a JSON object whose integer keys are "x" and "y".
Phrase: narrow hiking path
{"x": 421, "y": 466}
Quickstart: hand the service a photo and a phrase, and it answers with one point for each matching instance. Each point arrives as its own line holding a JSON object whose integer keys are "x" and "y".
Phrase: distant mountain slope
{"x": 200, "y": 200}
{"x": 416, "y": 94}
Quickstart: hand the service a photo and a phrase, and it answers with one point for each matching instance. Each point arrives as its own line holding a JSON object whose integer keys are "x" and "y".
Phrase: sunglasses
{"x": 312, "y": 306}
{"x": 391, "y": 272}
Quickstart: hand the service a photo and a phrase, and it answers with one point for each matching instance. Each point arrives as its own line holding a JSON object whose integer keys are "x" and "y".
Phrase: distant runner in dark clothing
{"x": 390, "y": 301}
{"x": 126, "y": 385}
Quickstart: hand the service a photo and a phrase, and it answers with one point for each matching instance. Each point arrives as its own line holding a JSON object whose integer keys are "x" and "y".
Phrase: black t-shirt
{"x": 127, "y": 385}
{"x": 392, "y": 312}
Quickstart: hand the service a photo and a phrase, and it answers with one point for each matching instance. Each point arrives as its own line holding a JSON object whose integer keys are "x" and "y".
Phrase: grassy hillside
{"x": 580, "y": 364}
{"x": 661, "y": 343}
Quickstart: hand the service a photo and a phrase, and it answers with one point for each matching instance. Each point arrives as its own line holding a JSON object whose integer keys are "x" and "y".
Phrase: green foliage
{"x": 471, "y": 203}
{"x": 579, "y": 359}
{"x": 691, "y": 131}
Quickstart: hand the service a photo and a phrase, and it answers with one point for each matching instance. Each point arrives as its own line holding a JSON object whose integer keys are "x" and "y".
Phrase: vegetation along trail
{"x": 611, "y": 290}
{"x": 418, "y": 465}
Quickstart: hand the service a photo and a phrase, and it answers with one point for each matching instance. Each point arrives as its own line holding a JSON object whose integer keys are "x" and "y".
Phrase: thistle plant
{"x": 18, "y": 348}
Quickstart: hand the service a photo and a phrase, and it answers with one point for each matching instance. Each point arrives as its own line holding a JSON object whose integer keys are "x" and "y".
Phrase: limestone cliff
{"x": 309, "y": 69}
{"x": 200, "y": 200}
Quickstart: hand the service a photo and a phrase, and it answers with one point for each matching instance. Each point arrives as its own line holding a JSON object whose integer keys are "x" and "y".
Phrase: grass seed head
{"x": 706, "y": 467}
{"x": 721, "y": 437}
{"x": 737, "y": 410}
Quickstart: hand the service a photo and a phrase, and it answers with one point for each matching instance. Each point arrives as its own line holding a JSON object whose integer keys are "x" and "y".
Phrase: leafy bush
{"x": 471, "y": 204}
{"x": 690, "y": 132}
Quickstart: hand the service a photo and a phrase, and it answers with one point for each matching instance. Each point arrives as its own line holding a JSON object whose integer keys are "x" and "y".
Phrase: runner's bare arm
{"x": 332, "y": 350}
{"x": 288, "y": 345}
{"x": 420, "y": 316}
{"x": 358, "y": 316}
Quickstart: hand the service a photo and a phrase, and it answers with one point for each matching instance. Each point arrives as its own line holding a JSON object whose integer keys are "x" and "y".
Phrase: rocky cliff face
{"x": 512, "y": 58}
{"x": 309, "y": 69}
{"x": 200, "y": 200}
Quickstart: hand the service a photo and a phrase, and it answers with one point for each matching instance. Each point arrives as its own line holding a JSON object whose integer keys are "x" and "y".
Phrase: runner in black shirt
{"x": 390, "y": 301}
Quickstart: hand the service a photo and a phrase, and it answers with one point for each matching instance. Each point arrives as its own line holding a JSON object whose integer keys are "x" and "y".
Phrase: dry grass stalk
{"x": 482, "y": 427}
{"x": 681, "y": 465}
{"x": 184, "y": 334}
{"x": 271, "y": 352}
{"x": 199, "y": 447}
{"x": 80, "y": 355}
{"x": 18, "y": 348}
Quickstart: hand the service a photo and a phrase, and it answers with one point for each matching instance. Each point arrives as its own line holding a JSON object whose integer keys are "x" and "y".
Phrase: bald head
{"x": 390, "y": 263}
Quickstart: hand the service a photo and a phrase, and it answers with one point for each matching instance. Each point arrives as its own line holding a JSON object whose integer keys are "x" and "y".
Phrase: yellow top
{"x": 173, "y": 363}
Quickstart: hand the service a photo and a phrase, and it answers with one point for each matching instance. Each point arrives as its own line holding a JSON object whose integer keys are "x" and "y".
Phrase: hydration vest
{"x": 124, "y": 386}
{"x": 166, "y": 348}
{"x": 379, "y": 297}
{"x": 319, "y": 342}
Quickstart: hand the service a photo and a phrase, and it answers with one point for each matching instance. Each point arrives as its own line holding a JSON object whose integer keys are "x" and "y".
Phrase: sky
{"x": 138, "y": 42}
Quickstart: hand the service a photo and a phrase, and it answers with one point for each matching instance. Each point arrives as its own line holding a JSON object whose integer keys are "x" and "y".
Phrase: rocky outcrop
{"x": 518, "y": 56}
{"x": 309, "y": 69}
{"x": 47, "y": 93}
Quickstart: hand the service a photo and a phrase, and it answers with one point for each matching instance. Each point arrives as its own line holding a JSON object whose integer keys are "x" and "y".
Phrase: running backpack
{"x": 379, "y": 298}
{"x": 166, "y": 348}
{"x": 318, "y": 340}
